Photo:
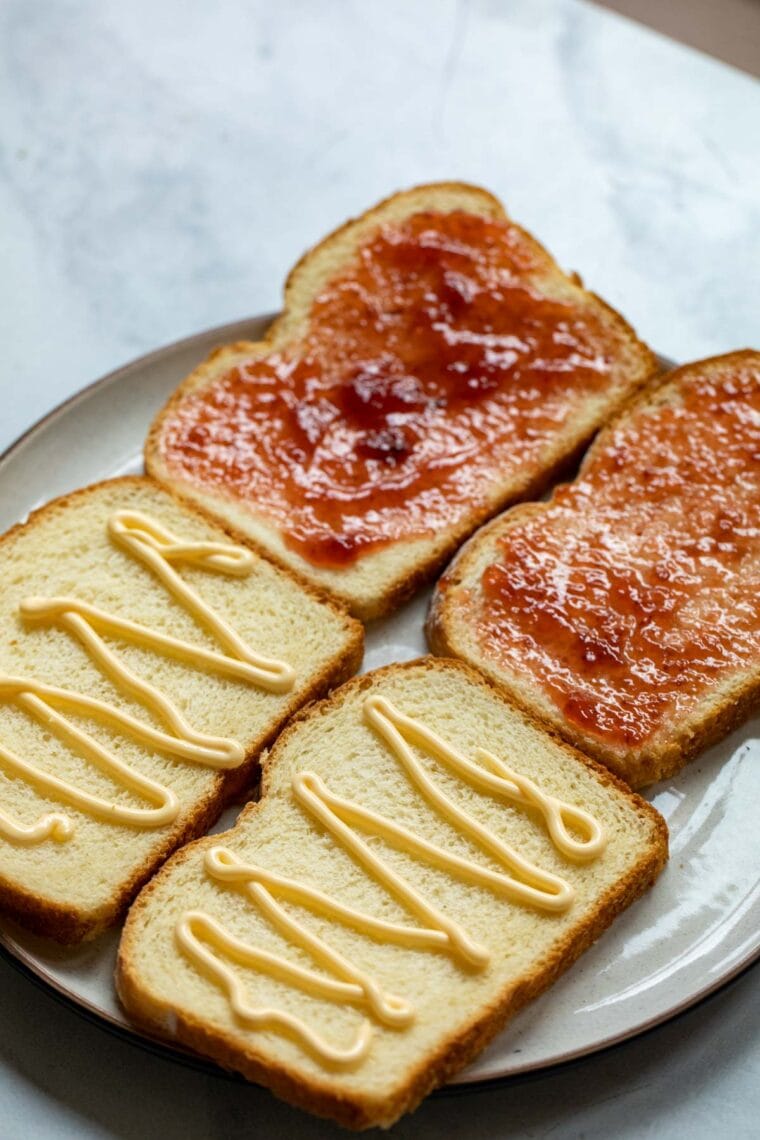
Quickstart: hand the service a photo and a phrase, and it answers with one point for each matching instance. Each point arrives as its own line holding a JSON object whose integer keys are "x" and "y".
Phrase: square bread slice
{"x": 432, "y": 364}
{"x": 424, "y": 860}
{"x": 146, "y": 658}
{"x": 624, "y": 611}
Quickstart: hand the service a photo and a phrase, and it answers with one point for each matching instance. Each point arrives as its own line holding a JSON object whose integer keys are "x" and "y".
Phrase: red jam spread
{"x": 638, "y": 586}
{"x": 433, "y": 366}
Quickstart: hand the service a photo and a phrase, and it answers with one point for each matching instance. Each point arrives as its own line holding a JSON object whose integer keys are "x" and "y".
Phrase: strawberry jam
{"x": 638, "y": 586}
{"x": 434, "y": 366}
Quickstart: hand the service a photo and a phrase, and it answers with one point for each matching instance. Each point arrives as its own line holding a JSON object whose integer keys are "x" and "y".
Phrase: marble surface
{"x": 163, "y": 164}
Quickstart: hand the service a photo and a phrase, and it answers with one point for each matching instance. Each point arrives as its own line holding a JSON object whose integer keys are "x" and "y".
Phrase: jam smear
{"x": 435, "y": 364}
{"x": 637, "y": 587}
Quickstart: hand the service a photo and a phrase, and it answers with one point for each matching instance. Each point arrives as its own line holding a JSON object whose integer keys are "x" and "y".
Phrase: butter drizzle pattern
{"x": 153, "y": 545}
{"x": 199, "y": 935}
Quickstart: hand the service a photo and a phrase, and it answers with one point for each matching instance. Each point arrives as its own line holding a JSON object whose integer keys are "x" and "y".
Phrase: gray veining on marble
{"x": 163, "y": 163}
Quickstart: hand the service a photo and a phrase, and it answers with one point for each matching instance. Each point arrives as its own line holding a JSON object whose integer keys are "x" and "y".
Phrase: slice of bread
{"x": 431, "y": 365}
{"x": 624, "y": 610}
{"x": 203, "y": 702}
{"x": 423, "y": 771}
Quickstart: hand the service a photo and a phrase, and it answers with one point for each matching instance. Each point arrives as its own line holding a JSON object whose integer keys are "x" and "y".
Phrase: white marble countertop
{"x": 164, "y": 163}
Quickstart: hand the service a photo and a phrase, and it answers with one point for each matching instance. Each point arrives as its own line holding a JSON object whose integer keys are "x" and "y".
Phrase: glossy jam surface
{"x": 639, "y": 586}
{"x": 431, "y": 364}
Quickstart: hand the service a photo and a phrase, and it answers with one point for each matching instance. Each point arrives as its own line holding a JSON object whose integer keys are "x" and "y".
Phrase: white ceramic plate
{"x": 698, "y": 928}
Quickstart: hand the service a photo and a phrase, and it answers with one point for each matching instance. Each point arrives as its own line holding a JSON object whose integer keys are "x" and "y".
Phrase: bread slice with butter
{"x": 431, "y": 365}
{"x": 424, "y": 860}
{"x": 624, "y": 611}
{"x": 146, "y": 658}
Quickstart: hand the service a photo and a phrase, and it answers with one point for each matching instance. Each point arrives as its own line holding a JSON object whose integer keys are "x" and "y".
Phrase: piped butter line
{"x": 81, "y": 618}
{"x": 213, "y": 752}
{"x": 166, "y": 807}
{"x": 387, "y": 1008}
{"x": 71, "y": 616}
{"x": 540, "y": 887}
{"x": 395, "y": 728}
{"x": 231, "y": 869}
{"x": 50, "y": 826}
{"x": 335, "y": 814}
{"x": 195, "y": 927}
{"x": 557, "y": 813}
{"x": 157, "y": 547}
{"x": 340, "y": 817}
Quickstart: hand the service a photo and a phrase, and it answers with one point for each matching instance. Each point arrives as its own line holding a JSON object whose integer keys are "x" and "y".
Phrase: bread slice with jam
{"x": 624, "y": 611}
{"x": 425, "y": 859}
{"x": 431, "y": 365}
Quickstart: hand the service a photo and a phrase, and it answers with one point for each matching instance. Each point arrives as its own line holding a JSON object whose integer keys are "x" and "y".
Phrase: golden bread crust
{"x": 323, "y": 1096}
{"x": 46, "y": 916}
{"x": 676, "y": 743}
{"x": 378, "y": 585}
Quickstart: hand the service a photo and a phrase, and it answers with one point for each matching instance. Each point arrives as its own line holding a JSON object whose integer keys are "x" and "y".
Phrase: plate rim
{"x": 177, "y": 1054}
{"x": 230, "y": 329}
{"x": 19, "y": 958}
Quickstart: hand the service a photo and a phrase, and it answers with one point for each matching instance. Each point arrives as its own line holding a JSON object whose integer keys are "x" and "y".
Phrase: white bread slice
{"x": 456, "y": 1008}
{"x": 71, "y": 890}
{"x": 673, "y": 489}
{"x": 383, "y": 576}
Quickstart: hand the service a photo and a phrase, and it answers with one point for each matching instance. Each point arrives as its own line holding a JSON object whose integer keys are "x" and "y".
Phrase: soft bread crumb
{"x": 384, "y": 578}
{"x": 458, "y": 1010}
{"x": 721, "y": 708}
{"x": 73, "y": 890}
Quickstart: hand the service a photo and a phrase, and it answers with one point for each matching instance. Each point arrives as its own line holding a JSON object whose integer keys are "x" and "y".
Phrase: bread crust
{"x": 670, "y": 749}
{"x": 71, "y": 924}
{"x": 323, "y": 1097}
{"x": 426, "y": 556}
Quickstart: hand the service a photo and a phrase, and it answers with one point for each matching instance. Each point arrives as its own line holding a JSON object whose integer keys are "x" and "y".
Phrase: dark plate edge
{"x": 178, "y": 1055}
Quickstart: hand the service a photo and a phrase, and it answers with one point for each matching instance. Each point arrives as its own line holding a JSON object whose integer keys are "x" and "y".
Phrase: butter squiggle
{"x": 152, "y": 544}
{"x": 387, "y": 1008}
{"x": 353, "y": 985}
{"x": 167, "y": 804}
{"x": 50, "y": 826}
{"x": 396, "y": 728}
{"x": 157, "y": 547}
{"x": 194, "y": 926}
{"x": 204, "y": 939}
{"x": 223, "y": 865}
